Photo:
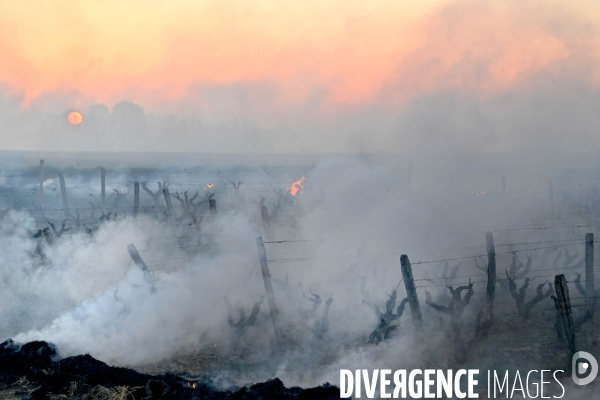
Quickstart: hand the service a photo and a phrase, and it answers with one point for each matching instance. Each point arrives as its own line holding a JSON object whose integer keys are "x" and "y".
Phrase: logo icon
{"x": 580, "y": 368}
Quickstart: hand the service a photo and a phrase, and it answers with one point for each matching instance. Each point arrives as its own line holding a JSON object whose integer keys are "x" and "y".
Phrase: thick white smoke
{"x": 341, "y": 236}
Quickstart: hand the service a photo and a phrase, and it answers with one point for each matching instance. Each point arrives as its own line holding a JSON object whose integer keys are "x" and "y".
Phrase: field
{"x": 228, "y": 270}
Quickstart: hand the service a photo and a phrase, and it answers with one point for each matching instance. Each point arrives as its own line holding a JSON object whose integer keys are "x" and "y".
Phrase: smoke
{"x": 340, "y": 237}
{"x": 463, "y": 109}
{"x": 92, "y": 298}
{"x": 522, "y": 87}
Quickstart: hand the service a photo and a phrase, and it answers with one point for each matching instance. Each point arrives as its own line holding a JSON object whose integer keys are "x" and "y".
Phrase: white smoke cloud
{"x": 352, "y": 220}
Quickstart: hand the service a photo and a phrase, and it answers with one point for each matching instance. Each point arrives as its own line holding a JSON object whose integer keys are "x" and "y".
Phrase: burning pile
{"x": 34, "y": 371}
{"x": 296, "y": 186}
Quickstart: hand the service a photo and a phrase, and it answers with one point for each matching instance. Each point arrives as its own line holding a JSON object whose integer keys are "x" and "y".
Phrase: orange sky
{"x": 355, "y": 52}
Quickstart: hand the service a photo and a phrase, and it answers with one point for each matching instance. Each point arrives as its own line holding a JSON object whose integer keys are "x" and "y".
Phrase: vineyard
{"x": 238, "y": 275}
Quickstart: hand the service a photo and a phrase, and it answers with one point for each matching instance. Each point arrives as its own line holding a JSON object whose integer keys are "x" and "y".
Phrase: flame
{"x": 191, "y": 384}
{"x": 210, "y": 185}
{"x": 296, "y": 186}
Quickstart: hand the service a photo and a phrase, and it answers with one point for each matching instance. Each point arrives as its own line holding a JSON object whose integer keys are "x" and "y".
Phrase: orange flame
{"x": 210, "y": 186}
{"x": 296, "y": 186}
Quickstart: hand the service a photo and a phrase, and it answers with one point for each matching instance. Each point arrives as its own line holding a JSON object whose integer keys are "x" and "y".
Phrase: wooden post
{"x": 491, "y": 282}
{"x": 562, "y": 295}
{"x": 264, "y": 214}
{"x": 63, "y": 194}
{"x": 135, "y": 256}
{"x": 266, "y": 275}
{"x": 411, "y": 292}
{"x": 589, "y": 287}
{"x": 503, "y": 186}
{"x": 102, "y": 187}
{"x": 136, "y": 198}
{"x": 168, "y": 200}
{"x": 485, "y": 317}
{"x": 41, "y": 193}
{"x": 212, "y": 205}
{"x": 551, "y": 195}
{"x": 48, "y": 235}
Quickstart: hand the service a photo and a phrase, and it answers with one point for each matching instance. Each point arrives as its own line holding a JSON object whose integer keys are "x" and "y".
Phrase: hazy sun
{"x": 75, "y": 118}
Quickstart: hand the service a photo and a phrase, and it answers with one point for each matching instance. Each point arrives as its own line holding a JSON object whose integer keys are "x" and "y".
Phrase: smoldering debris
{"x": 35, "y": 370}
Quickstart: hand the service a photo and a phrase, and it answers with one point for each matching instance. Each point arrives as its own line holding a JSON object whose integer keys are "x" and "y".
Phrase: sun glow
{"x": 75, "y": 118}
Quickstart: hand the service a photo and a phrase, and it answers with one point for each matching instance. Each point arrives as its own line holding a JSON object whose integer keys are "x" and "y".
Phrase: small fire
{"x": 191, "y": 384}
{"x": 210, "y": 186}
{"x": 296, "y": 186}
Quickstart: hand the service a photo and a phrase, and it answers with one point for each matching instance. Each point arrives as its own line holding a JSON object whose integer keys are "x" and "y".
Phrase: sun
{"x": 75, "y": 118}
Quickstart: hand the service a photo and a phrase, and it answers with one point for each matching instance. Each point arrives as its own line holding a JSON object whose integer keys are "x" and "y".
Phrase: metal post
{"x": 564, "y": 303}
{"x": 491, "y": 282}
{"x": 589, "y": 287}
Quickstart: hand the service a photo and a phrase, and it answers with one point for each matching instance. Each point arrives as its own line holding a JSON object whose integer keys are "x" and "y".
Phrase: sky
{"x": 311, "y": 76}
